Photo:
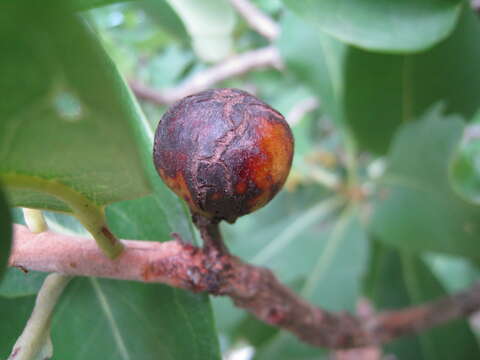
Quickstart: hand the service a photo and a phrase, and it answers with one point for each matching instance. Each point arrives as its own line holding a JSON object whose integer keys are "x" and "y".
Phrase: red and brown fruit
{"x": 224, "y": 151}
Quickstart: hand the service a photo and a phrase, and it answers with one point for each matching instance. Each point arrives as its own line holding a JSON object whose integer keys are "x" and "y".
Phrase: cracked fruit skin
{"x": 225, "y": 152}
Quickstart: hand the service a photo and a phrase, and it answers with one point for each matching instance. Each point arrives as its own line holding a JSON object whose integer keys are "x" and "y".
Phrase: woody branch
{"x": 253, "y": 288}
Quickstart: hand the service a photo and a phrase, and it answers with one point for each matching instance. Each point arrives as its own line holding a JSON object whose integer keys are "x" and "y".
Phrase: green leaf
{"x": 333, "y": 283}
{"x": 401, "y": 279}
{"x": 316, "y": 59}
{"x": 140, "y": 219}
{"x": 373, "y": 94}
{"x": 16, "y": 283}
{"x": 384, "y": 91}
{"x": 65, "y": 129}
{"x": 382, "y": 25}
{"x": 5, "y": 233}
{"x": 416, "y": 208}
{"x": 14, "y": 314}
{"x": 127, "y": 320}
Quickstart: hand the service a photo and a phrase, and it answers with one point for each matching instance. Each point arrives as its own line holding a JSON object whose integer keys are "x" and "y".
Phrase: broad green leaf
{"x": 384, "y": 91}
{"x": 66, "y": 120}
{"x": 141, "y": 219}
{"x": 399, "y": 280}
{"x": 333, "y": 283}
{"x": 373, "y": 94}
{"x": 382, "y": 25}
{"x": 16, "y": 283}
{"x": 416, "y": 208}
{"x": 127, "y": 320}
{"x": 14, "y": 314}
{"x": 5, "y": 233}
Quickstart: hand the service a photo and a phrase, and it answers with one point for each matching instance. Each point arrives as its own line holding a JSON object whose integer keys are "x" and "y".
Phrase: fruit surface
{"x": 224, "y": 151}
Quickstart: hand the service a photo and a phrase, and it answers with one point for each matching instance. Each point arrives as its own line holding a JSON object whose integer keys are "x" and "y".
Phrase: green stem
{"x": 89, "y": 214}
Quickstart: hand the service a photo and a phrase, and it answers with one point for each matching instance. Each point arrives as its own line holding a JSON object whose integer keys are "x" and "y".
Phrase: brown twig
{"x": 252, "y": 288}
{"x": 257, "y": 20}
{"x": 300, "y": 109}
{"x": 237, "y": 65}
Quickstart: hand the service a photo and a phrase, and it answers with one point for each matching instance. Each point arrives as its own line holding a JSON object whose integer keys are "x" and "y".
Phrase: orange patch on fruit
{"x": 270, "y": 169}
{"x": 241, "y": 187}
{"x": 179, "y": 186}
{"x": 277, "y": 142}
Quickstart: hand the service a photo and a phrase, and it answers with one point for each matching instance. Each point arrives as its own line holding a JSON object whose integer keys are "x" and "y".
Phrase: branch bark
{"x": 257, "y": 20}
{"x": 252, "y": 288}
{"x": 300, "y": 109}
{"x": 235, "y": 66}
